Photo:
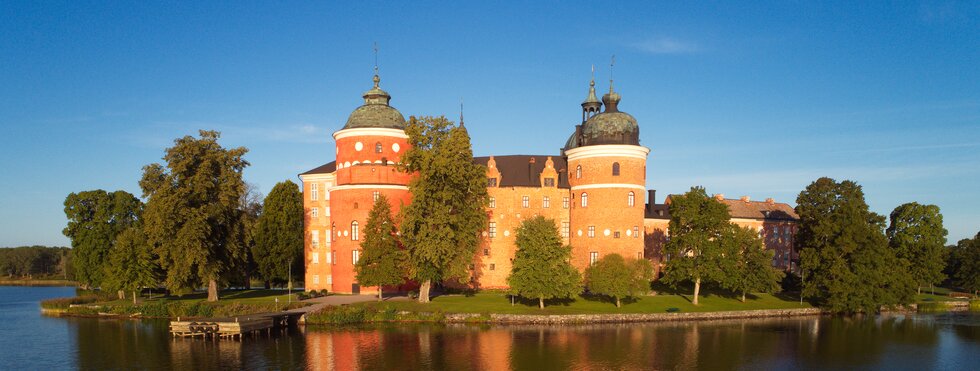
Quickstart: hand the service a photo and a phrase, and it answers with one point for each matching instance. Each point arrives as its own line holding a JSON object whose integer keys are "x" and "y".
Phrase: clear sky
{"x": 743, "y": 98}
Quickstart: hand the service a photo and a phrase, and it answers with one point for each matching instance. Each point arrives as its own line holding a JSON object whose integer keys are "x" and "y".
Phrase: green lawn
{"x": 496, "y": 302}
{"x": 225, "y": 297}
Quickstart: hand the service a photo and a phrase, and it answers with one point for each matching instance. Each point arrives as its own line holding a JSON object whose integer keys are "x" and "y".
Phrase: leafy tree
{"x": 192, "y": 219}
{"x": 382, "y": 259}
{"x": 279, "y": 234}
{"x": 251, "y": 206}
{"x": 95, "y": 219}
{"x": 751, "y": 268}
{"x": 694, "y": 248}
{"x": 917, "y": 235}
{"x": 966, "y": 258}
{"x": 618, "y": 278}
{"x": 31, "y": 261}
{"x": 131, "y": 265}
{"x": 844, "y": 256}
{"x": 541, "y": 264}
{"x": 441, "y": 226}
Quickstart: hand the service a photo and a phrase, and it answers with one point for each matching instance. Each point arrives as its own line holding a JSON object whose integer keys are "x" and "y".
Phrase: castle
{"x": 594, "y": 190}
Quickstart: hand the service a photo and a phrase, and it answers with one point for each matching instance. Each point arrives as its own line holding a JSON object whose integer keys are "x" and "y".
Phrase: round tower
{"x": 607, "y": 175}
{"x": 368, "y": 148}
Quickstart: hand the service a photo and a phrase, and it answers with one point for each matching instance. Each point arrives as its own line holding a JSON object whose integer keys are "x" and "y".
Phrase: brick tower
{"x": 368, "y": 148}
{"x": 607, "y": 176}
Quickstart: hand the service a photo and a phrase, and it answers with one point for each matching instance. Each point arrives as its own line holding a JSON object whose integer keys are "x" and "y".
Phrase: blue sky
{"x": 745, "y": 99}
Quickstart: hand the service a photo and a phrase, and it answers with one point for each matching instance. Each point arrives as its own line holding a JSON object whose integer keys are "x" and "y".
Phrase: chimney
{"x": 720, "y": 196}
{"x": 651, "y": 198}
{"x": 770, "y": 201}
{"x": 530, "y": 169}
{"x": 745, "y": 199}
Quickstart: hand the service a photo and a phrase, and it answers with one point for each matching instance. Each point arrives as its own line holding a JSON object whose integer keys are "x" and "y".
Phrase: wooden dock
{"x": 234, "y": 327}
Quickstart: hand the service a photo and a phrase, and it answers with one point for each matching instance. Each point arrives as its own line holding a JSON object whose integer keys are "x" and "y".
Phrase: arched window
{"x": 616, "y": 170}
{"x": 578, "y": 172}
{"x": 354, "y": 236}
{"x": 630, "y": 199}
{"x": 585, "y": 199}
{"x": 377, "y": 147}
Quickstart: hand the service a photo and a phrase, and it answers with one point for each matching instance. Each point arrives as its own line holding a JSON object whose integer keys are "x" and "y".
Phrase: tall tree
{"x": 382, "y": 259}
{"x": 251, "y": 206}
{"x": 95, "y": 219}
{"x": 131, "y": 265}
{"x": 965, "y": 259}
{"x": 279, "y": 234}
{"x": 751, "y": 268}
{"x": 615, "y": 277}
{"x": 441, "y": 227}
{"x": 844, "y": 255}
{"x": 694, "y": 251}
{"x": 917, "y": 235}
{"x": 192, "y": 217}
{"x": 541, "y": 264}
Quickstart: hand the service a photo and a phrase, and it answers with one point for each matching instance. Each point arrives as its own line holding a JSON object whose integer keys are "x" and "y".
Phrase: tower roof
{"x": 376, "y": 111}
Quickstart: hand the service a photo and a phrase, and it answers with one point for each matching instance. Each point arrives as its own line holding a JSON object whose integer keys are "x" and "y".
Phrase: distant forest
{"x": 35, "y": 262}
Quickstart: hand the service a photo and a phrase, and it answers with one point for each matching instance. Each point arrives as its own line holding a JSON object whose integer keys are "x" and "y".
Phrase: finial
{"x": 460, "y": 111}
{"x": 612, "y": 63}
{"x": 375, "y": 57}
{"x": 592, "y": 83}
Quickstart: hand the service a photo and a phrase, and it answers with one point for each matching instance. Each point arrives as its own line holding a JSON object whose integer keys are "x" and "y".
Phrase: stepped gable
{"x": 518, "y": 171}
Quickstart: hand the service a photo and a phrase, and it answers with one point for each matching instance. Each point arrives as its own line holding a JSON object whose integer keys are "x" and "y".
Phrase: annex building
{"x": 594, "y": 189}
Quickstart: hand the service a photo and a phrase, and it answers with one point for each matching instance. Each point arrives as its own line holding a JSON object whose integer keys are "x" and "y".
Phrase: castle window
{"x": 615, "y": 169}
{"x": 333, "y": 256}
{"x": 355, "y": 205}
{"x": 492, "y": 266}
{"x": 314, "y": 238}
{"x": 378, "y": 194}
{"x": 486, "y": 252}
{"x": 564, "y": 229}
{"x": 314, "y": 212}
{"x": 525, "y": 202}
{"x": 639, "y": 255}
{"x": 313, "y": 192}
{"x": 491, "y": 182}
{"x": 549, "y": 182}
{"x": 493, "y": 230}
{"x": 585, "y": 199}
{"x": 355, "y": 256}
{"x": 377, "y": 147}
{"x": 636, "y": 231}
{"x": 593, "y": 257}
{"x": 630, "y": 199}
{"x": 591, "y": 231}
{"x": 616, "y": 234}
{"x": 578, "y": 172}
{"x": 329, "y": 256}
{"x": 493, "y": 202}
{"x": 316, "y": 258}
{"x": 354, "y": 236}
{"x": 316, "y": 279}
{"x": 546, "y": 202}
{"x": 564, "y": 202}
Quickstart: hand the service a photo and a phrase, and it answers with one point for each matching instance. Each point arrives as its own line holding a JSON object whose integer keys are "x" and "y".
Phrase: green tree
{"x": 192, "y": 219}
{"x": 965, "y": 259}
{"x": 95, "y": 219}
{"x": 131, "y": 265}
{"x": 441, "y": 227}
{"x": 694, "y": 250}
{"x": 917, "y": 235}
{"x": 382, "y": 259}
{"x": 615, "y": 277}
{"x": 279, "y": 234}
{"x": 846, "y": 264}
{"x": 541, "y": 264}
{"x": 751, "y": 268}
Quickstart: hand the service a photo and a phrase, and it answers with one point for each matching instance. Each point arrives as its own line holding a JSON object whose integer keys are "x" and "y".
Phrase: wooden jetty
{"x": 234, "y": 327}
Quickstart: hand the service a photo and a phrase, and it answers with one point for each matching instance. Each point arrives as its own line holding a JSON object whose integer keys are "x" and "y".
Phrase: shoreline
{"x": 39, "y": 283}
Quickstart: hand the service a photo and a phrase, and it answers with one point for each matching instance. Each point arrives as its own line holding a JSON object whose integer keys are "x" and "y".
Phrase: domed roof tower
{"x": 376, "y": 112}
{"x": 611, "y": 126}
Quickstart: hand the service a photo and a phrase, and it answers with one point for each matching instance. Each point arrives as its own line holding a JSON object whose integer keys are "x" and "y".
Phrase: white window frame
{"x": 329, "y": 256}
{"x": 314, "y": 212}
{"x": 355, "y": 234}
{"x": 492, "y": 230}
{"x": 355, "y": 256}
{"x": 546, "y": 202}
{"x": 585, "y": 199}
{"x": 565, "y": 202}
{"x": 565, "y": 229}
{"x": 593, "y": 257}
{"x": 591, "y": 231}
{"x": 631, "y": 199}
{"x": 493, "y": 202}
{"x": 376, "y": 195}
{"x": 316, "y": 258}
{"x": 314, "y": 192}
{"x": 526, "y": 202}
{"x": 315, "y": 238}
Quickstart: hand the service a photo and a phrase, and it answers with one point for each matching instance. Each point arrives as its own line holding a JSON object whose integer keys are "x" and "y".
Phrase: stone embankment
{"x": 627, "y": 317}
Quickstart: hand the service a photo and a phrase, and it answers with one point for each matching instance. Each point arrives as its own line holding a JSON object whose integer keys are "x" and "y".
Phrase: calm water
{"x": 31, "y": 341}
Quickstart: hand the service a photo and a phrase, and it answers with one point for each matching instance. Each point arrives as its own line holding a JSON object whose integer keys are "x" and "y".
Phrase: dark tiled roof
{"x": 326, "y": 168}
{"x": 518, "y": 171}
{"x": 738, "y": 209}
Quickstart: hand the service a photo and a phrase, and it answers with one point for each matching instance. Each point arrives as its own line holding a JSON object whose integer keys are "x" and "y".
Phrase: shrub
{"x": 65, "y": 303}
{"x": 324, "y": 292}
{"x": 343, "y": 315}
{"x": 85, "y": 311}
{"x": 673, "y": 310}
{"x": 932, "y": 307}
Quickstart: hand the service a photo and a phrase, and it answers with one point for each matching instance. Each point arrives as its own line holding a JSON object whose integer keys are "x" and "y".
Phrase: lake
{"x": 951, "y": 341}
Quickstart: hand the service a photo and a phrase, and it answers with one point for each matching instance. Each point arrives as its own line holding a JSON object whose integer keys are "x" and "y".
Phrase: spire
{"x": 591, "y": 105}
{"x": 376, "y": 95}
{"x": 461, "y": 113}
{"x": 611, "y": 99}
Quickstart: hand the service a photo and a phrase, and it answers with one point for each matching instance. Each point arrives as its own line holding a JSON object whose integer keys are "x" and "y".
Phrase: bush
{"x": 932, "y": 307}
{"x": 65, "y": 303}
{"x": 342, "y": 315}
{"x": 86, "y": 311}
{"x": 324, "y": 292}
{"x": 673, "y": 310}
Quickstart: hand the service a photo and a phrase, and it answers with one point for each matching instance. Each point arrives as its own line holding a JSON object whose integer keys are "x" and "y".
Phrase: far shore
{"x": 39, "y": 282}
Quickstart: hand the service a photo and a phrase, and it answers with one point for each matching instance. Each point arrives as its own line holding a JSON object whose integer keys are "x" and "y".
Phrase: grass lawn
{"x": 498, "y": 302}
{"x": 225, "y": 297}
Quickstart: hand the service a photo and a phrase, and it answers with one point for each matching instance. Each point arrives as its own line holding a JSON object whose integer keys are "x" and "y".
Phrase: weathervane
{"x": 612, "y": 63}
{"x": 375, "y": 57}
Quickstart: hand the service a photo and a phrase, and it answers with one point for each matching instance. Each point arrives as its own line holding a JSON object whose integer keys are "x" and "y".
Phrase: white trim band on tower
{"x": 368, "y": 186}
{"x": 608, "y": 150}
{"x": 377, "y": 132}
{"x": 608, "y": 185}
